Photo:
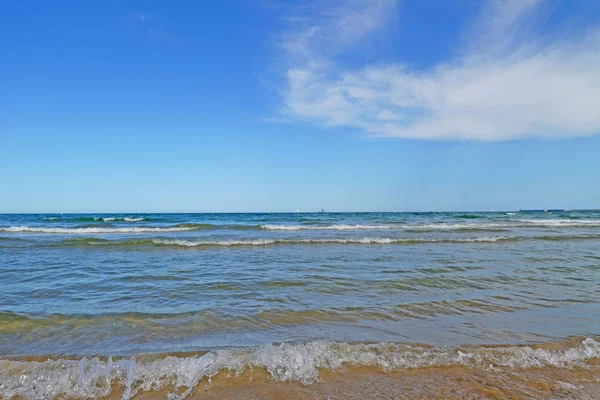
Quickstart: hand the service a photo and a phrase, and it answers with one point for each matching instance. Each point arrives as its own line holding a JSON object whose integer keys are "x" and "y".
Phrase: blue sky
{"x": 350, "y": 105}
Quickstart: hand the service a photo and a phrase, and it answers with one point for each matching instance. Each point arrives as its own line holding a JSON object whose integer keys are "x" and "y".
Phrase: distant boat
{"x": 297, "y": 210}
{"x": 322, "y": 210}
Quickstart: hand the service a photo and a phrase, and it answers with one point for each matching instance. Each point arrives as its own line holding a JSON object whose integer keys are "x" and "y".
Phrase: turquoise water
{"x": 124, "y": 284}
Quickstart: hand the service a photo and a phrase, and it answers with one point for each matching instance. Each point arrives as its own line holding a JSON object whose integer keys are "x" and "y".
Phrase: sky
{"x": 273, "y": 105}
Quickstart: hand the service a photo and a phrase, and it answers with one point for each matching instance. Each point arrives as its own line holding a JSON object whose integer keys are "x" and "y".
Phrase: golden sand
{"x": 425, "y": 383}
{"x": 581, "y": 381}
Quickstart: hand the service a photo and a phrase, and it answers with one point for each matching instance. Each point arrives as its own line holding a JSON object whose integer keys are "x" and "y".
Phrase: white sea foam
{"x": 126, "y": 219}
{"x": 433, "y": 226}
{"x": 105, "y": 219}
{"x": 506, "y": 224}
{"x": 196, "y": 243}
{"x": 325, "y": 227}
{"x": 35, "y": 229}
{"x": 558, "y": 223}
{"x": 364, "y": 240}
{"x": 131, "y": 219}
{"x": 517, "y": 223}
{"x": 91, "y": 378}
{"x": 415, "y": 227}
{"x": 457, "y": 227}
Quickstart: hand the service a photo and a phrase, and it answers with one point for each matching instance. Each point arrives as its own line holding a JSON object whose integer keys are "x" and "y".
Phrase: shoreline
{"x": 563, "y": 369}
{"x": 453, "y": 382}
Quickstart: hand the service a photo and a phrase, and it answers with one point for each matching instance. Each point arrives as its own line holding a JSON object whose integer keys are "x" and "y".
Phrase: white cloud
{"x": 504, "y": 84}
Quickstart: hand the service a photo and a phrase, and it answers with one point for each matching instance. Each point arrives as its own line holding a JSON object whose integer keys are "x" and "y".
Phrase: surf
{"x": 95, "y": 377}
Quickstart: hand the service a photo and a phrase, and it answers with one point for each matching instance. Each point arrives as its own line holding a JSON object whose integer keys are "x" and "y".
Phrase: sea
{"x": 286, "y": 305}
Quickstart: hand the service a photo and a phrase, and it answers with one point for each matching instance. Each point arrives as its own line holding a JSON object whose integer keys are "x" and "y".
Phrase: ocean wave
{"x": 270, "y": 241}
{"x": 314, "y": 241}
{"x": 459, "y": 227}
{"x": 131, "y": 219}
{"x": 113, "y": 219}
{"x": 566, "y": 237}
{"x": 95, "y": 377}
{"x": 559, "y": 223}
{"x": 491, "y": 226}
{"x": 501, "y": 225}
{"x": 96, "y": 219}
{"x": 364, "y": 240}
{"x": 469, "y": 216}
{"x": 408, "y": 227}
{"x": 102, "y": 219}
{"x": 325, "y": 227}
{"x": 81, "y": 230}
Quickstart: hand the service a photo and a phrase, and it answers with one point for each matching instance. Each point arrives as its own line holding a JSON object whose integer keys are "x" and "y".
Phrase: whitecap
{"x": 325, "y": 227}
{"x": 364, "y": 240}
{"x": 34, "y": 229}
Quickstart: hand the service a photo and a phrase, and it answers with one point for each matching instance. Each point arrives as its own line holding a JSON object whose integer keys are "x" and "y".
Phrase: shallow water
{"x": 122, "y": 285}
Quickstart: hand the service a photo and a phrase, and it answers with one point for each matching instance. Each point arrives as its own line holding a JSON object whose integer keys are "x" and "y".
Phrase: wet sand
{"x": 424, "y": 383}
{"x": 573, "y": 381}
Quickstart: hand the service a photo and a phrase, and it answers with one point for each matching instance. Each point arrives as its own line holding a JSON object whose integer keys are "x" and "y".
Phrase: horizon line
{"x": 309, "y": 212}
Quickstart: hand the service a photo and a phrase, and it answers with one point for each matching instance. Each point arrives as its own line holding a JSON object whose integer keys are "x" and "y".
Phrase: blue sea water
{"x": 82, "y": 285}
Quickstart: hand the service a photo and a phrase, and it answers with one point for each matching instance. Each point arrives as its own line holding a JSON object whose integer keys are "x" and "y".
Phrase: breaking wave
{"x": 130, "y": 219}
{"x": 326, "y": 227}
{"x": 80, "y": 230}
{"x": 559, "y": 223}
{"x": 95, "y": 377}
{"x": 268, "y": 241}
{"x": 498, "y": 226}
{"x": 520, "y": 223}
{"x": 504, "y": 225}
{"x": 102, "y": 219}
{"x": 365, "y": 240}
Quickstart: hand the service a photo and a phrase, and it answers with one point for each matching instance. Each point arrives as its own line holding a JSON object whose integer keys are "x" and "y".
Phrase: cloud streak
{"x": 503, "y": 85}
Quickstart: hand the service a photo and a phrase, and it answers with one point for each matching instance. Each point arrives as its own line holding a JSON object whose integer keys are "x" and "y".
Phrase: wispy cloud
{"x": 505, "y": 83}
